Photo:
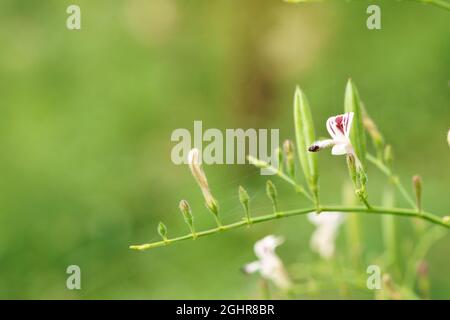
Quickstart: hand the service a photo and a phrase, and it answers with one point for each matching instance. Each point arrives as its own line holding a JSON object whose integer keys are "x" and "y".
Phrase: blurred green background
{"x": 86, "y": 119}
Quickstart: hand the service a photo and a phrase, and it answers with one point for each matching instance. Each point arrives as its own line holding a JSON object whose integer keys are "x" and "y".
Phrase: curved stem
{"x": 262, "y": 164}
{"x": 284, "y": 214}
{"x": 394, "y": 179}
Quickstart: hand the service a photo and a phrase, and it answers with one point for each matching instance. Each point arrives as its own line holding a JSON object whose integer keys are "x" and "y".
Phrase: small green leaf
{"x": 162, "y": 230}
{"x": 305, "y": 137}
{"x": 357, "y": 135}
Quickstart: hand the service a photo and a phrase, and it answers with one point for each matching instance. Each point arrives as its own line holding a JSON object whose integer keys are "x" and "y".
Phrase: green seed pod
{"x": 305, "y": 137}
{"x": 245, "y": 200}
{"x": 272, "y": 194}
{"x": 162, "y": 230}
{"x": 417, "y": 185}
{"x": 357, "y": 135}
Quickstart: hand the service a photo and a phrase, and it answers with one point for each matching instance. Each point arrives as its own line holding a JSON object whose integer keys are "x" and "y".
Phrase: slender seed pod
{"x": 305, "y": 137}
{"x": 357, "y": 135}
{"x": 245, "y": 201}
{"x": 417, "y": 185}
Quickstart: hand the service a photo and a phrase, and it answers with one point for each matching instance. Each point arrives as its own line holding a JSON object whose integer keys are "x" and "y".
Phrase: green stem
{"x": 284, "y": 214}
{"x": 259, "y": 163}
{"x": 394, "y": 179}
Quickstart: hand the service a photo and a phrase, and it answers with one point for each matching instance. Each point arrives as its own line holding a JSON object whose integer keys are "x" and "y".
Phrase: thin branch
{"x": 394, "y": 179}
{"x": 284, "y": 214}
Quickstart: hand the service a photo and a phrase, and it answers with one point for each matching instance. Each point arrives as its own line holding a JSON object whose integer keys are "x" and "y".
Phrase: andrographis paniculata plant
{"x": 348, "y": 138}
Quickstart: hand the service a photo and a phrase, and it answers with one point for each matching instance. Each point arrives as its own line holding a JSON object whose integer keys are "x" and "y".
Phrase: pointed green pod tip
{"x": 305, "y": 136}
{"x": 352, "y": 103}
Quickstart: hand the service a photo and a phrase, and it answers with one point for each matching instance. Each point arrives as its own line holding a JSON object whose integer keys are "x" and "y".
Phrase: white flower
{"x": 200, "y": 177}
{"x": 269, "y": 264}
{"x": 339, "y": 128}
{"x": 324, "y": 237}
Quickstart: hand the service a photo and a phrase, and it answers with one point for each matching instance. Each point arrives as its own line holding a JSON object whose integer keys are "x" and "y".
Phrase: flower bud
{"x": 245, "y": 200}
{"x": 272, "y": 194}
{"x": 162, "y": 230}
{"x": 200, "y": 177}
{"x": 417, "y": 184}
{"x": 187, "y": 215}
{"x": 288, "y": 147}
{"x": 446, "y": 219}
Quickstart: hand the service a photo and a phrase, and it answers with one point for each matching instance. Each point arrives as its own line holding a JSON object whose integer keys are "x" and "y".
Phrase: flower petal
{"x": 331, "y": 124}
{"x": 348, "y": 120}
{"x": 339, "y": 149}
{"x": 252, "y": 267}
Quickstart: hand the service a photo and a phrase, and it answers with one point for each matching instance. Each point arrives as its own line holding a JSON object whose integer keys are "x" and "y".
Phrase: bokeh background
{"x": 86, "y": 119}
